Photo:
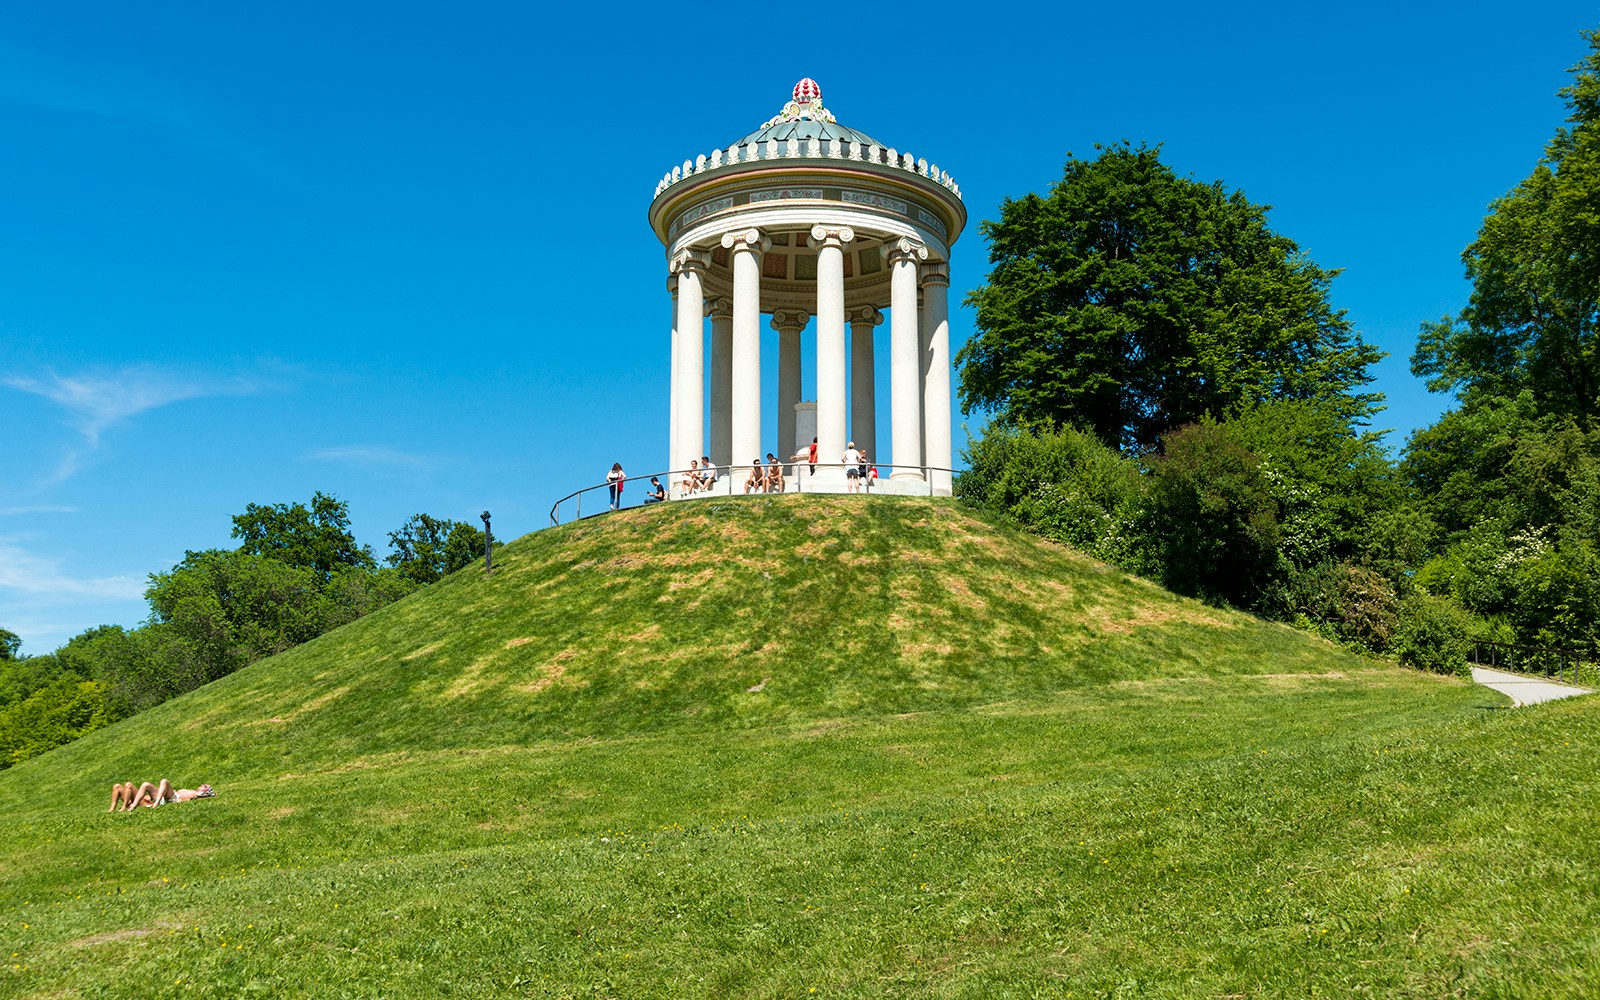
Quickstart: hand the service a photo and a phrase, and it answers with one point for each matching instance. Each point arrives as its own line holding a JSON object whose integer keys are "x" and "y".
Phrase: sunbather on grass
{"x": 126, "y": 796}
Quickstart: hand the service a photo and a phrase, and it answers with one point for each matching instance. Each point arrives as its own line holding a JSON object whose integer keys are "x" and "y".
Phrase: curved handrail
{"x": 725, "y": 484}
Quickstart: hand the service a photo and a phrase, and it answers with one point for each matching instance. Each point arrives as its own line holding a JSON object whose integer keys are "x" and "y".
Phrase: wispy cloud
{"x": 38, "y": 508}
{"x": 97, "y": 402}
{"x": 26, "y": 573}
{"x": 372, "y": 456}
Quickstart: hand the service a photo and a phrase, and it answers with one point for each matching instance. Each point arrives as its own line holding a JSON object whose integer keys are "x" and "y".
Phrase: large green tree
{"x": 1532, "y": 322}
{"x": 1131, "y": 300}
{"x": 317, "y": 538}
{"x": 427, "y": 548}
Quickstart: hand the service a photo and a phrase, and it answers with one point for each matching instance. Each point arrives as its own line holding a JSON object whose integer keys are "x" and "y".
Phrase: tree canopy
{"x": 427, "y": 548}
{"x": 317, "y": 538}
{"x": 1532, "y": 322}
{"x": 1130, "y": 300}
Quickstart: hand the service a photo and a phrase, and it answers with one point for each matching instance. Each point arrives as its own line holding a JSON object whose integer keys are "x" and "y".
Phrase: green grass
{"x": 1048, "y": 779}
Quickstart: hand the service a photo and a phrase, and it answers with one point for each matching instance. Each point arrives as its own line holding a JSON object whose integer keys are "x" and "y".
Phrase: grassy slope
{"x": 980, "y": 765}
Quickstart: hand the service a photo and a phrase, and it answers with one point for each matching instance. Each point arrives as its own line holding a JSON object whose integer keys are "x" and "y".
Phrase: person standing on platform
{"x": 813, "y": 456}
{"x": 614, "y": 481}
{"x": 852, "y": 468}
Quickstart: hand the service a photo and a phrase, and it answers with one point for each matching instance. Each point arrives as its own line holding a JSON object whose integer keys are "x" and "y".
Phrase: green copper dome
{"x": 806, "y": 118}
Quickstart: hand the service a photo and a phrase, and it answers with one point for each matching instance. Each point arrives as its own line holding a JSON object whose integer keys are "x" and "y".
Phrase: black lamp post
{"x": 488, "y": 545}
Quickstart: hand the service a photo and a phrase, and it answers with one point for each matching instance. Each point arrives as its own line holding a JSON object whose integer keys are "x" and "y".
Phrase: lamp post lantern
{"x": 488, "y": 545}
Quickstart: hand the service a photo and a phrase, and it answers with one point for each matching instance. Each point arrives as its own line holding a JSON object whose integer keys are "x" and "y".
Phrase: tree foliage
{"x": 1212, "y": 516}
{"x": 428, "y": 548}
{"x": 1131, "y": 300}
{"x": 1511, "y": 476}
{"x": 297, "y": 573}
{"x": 1532, "y": 322}
{"x": 317, "y": 538}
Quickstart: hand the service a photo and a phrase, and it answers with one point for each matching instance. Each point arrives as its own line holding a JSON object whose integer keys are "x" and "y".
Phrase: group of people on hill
{"x": 765, "y": 479}
{"x": 702, "y": 475}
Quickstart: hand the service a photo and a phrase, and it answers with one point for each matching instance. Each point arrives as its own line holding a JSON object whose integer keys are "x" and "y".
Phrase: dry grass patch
{"x": 109, "y": 937}
{"x": 429, "y": 649}
{"x": 1120, "y": 621}
{"x": 514, "y": 643}
{"x": 699, "y": 579}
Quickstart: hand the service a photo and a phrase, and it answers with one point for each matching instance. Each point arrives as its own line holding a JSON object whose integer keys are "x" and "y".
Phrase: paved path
{"x": 1524, "y": 690}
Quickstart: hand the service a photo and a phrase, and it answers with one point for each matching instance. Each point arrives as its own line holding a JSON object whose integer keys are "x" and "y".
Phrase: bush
{"x": 1433, "y": 634}
{"x": 1211, "y": 514}
{"x": 1355, "y": 605}
{"x": 1060, "y": 483}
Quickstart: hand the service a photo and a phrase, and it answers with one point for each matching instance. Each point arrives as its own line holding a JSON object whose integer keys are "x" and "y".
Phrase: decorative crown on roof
{"x": 807, "y": 103}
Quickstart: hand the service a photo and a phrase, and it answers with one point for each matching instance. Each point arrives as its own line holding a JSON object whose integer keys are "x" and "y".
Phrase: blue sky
{"x": 398, "y": 252}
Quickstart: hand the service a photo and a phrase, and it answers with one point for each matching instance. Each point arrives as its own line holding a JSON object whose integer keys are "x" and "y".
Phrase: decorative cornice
{"x": 689, "y": 260}
{"x": 790, "y": 319}
{"x": 825, "y": 236}
{"x": 905, "y": 248}
{"x": 866, "y": 314}
{"x": 746, "y": 240}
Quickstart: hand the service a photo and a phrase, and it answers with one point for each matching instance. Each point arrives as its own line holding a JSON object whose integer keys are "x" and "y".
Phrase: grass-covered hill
{"x": 812, "y": 746}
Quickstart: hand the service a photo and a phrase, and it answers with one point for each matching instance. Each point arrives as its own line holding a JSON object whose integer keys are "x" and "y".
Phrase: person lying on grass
{"x": 126, "y": 796}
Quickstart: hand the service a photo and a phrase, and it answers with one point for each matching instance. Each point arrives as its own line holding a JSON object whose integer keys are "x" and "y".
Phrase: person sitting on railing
{"x": 774, "y": 483}
{"x": 757, "y": 479}
{"x": 691, "y": 479}
{"x": 656, "y": 493}
{"x": 708, "y": 473}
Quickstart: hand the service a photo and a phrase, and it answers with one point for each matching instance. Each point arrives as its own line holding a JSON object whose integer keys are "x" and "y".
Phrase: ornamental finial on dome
{"x": 807, "y": 103}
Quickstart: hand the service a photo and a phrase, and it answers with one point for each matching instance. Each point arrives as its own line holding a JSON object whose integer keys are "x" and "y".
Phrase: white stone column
{"x": 936, "y": 444}
{"x": 905, "y": 389}
{"x": 672, "y": 387}
{"x": 863, "y": 380}
{"x": 832, "y": 428}
{"x": 747, "y": 245}
{"x": 789, "y": 323}
{"x": 690, "y": 267}
{"x": 721, "y": 313}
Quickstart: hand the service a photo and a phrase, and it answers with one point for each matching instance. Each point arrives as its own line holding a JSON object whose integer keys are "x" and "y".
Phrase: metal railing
{"x": 1565, "y": 665}
{"x": 731, "y": 483}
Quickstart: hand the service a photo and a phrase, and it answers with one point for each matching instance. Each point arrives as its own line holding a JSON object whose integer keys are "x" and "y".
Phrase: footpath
{"x": 1524, "y": 690}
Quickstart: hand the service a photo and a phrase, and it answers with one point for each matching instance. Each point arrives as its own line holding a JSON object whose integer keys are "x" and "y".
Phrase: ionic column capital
{"x": 865, "y": 315}
{"x": 719, "y": 308}
{"x": 689, "y": 260}
{"x": 936, "y": 273}
{"x": 746, "y": 241}
{"x": 830, "y": 236}
{"x": 906, "y": 248}
{"x": 790, "y": 319}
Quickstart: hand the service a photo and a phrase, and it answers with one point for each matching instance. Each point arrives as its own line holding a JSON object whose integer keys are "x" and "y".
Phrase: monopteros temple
{"x": 806, "y": 219}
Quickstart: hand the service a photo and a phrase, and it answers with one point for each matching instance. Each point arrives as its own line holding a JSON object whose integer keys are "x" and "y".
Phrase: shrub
{"x": 1433, "y": 634}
